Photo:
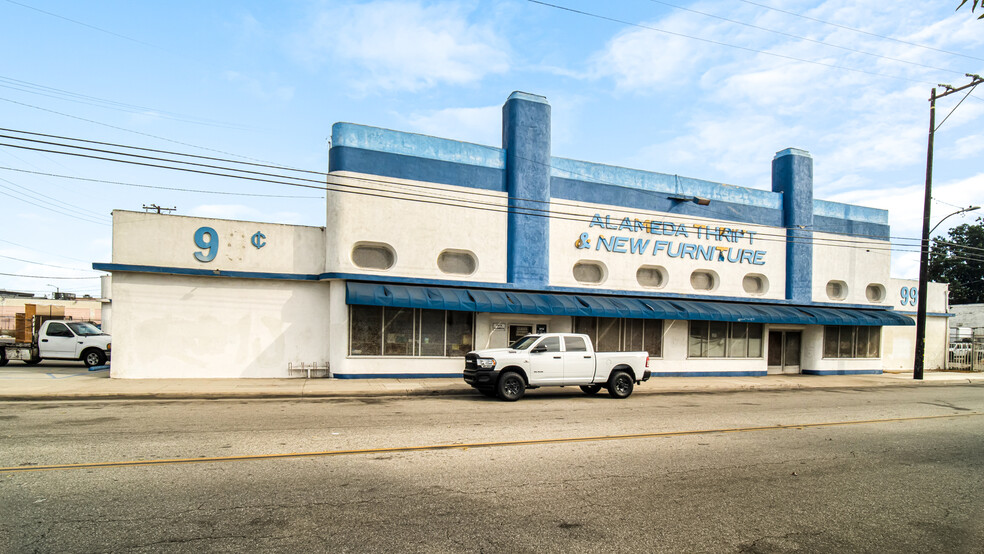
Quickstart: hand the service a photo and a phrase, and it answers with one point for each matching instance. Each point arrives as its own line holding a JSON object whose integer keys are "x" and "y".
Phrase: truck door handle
{"x": 80, "y": 342}
{"x": 556, "y": 357}
{"x": 44, "y": 340}
{"x": 587, "y": 357}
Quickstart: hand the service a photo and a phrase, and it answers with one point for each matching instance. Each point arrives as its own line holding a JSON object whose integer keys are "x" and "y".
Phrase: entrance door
{"x": 784, "y": 351}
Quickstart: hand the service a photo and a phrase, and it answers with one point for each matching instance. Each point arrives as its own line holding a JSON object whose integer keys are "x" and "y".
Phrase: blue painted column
{"x": 526, "y": 140}
{"x": 792, "y": 175}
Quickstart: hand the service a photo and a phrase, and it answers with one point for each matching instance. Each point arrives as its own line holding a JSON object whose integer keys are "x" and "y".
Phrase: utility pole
{"x": 920, "y": 358}
{"x": 158, "y": 209}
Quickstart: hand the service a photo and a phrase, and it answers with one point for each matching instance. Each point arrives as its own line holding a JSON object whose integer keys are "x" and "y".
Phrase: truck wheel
{"x": 511, "y": 386}
{"x": 33, "y": 361}
{"x": 620, "y": 384}
{"x": 3, "y": 359}
{"x": 590, "y": 390}
{"x": 93, "y": 358}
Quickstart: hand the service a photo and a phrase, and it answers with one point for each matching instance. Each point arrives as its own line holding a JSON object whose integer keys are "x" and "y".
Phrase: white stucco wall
{"x": 169, "y": 241}
{"x": 188, "y": 327}
{"x": 856, "y": 262}
{"x": 622, "y": 267}
{"x": 468, "y": 219}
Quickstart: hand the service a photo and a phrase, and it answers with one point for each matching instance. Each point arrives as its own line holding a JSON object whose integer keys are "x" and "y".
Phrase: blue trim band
{"x": 205, "y": 272}
{"x": 838, "y": 210}
{"x": 709, "y": 373}
{"x": 396, "y": 375}
{"x": 934, "y": 314}
{"x": 858, "y": 229}
{"x": 415, "y": 145}
{"x": 649, "y": 181}
{"x": 400, "y": 166}
{"x": 644, "y": 200}
{"x": 842, "y": 372}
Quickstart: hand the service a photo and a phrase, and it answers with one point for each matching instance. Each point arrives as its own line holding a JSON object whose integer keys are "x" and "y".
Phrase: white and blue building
{"x": 432, "y": 247}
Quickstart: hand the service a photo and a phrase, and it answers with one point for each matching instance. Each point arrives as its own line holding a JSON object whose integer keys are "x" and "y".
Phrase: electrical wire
{"x": 47, "y": 265}
{"x": 49, "y": 277}
{"x": 43, "y": 252}
{"x": 101, "y": 30}
{"x": 860, "y": 31}
{"x": 782, "y": 33}
{"x": 158, "y": 187}
{"x": 49, "y": 208}
{"x": 497, "y": 197}
{"x": 417, "y": 197}
{"x": 719, "y": 43}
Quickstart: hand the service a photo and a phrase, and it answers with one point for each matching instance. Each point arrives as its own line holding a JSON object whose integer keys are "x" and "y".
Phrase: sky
{"x": 710, "y": 90}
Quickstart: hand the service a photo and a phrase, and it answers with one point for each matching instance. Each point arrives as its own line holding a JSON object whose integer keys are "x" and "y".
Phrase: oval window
{"x": 589, "y": 273}
{"x": 458, "y": 262}
{"x": 754, "y": 283}
{"x": 875, "y": 293}
{"x": 703, "y": 280}
{"x": 373, "y": 255}
{"x": 836, "y": 290}
{"x": 652, "y": 276}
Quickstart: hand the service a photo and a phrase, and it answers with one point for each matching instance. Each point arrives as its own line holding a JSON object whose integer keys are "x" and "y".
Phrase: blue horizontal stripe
{"x": 400, "y": 166}
{"x": 709, "y": 373}
{"x": 859, "y": 229}
{"x": 205, "y": 272}
{"x": 842, "y": 372}
{"x": 645, "y": 200}
{"x": 396, "y": 375}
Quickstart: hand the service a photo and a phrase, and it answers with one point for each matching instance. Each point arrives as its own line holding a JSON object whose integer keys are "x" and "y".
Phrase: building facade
{"x": 434, "y": 247}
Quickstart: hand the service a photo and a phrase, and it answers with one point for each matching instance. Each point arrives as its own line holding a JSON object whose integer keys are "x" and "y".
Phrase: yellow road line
{"x": 464, "y": 446}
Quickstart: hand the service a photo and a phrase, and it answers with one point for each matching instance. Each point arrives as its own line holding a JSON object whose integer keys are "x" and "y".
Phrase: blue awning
{"x": 536, "y": 303}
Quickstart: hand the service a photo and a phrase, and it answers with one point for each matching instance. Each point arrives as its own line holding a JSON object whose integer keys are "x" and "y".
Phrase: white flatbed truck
{"x": 59, "y": 339}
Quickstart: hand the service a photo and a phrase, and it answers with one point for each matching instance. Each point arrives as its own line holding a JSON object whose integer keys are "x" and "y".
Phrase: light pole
{"x": 56, "y": 289}
{"x": 920, "y": 355}
{"x": 965, "y": 210}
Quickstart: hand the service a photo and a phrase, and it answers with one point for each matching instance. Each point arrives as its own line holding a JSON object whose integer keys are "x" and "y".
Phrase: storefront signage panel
{"x": 694, "y": 241}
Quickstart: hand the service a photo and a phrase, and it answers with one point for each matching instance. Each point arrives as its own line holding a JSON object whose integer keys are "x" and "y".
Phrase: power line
{"x": 437, "y": 200}
{"x": 49, "y": 208}
{"x": 176, "y": 189}
{"x": 58, "y": 94}
{"x": 43, "y": 252}
{"x": 91, "y": 214}
{"x": 860, "y": 31}
{"x": 495, "y": 196}
{"x": 782, "y": 33}
{"x": 94, "y": 122}
{"x": 101, "y": 30}
{"x": 48, "y": 277}
{"x": 719, "y": 43}
{"x": 47, "y": 265}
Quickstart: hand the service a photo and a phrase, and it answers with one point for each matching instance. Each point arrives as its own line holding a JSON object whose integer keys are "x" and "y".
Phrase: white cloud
{"x": 968, "y": 147}
{"x": 478, "y": 125}
{"x": 404, "y": 45}
{"x": 264, "y": 89}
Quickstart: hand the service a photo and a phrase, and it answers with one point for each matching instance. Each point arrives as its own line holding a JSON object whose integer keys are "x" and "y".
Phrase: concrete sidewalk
{"x": 20, "y": 382}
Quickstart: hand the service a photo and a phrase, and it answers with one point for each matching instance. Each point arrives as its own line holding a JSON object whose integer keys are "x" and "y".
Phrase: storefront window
{"x": 843, "y": 341}
{"x": 720, "y": 339}
{"x": 622, "y": 335}
{"x": 459, "y": 333}
{"x": 431, "y": 332}
{"x": 377, "y": 331}
{"x": 366, "y": 331}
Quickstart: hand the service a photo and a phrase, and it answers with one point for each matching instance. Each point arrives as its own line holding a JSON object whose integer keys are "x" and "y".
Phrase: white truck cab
{"x": 61, "y": 340}
{"x": 554, "y": 359}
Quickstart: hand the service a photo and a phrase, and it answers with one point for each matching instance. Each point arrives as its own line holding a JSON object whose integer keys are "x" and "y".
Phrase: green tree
{"x": 973, "y": 6}
{"x": 959, "y": 260}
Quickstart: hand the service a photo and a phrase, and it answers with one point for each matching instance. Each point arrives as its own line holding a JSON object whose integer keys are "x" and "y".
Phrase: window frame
{"x": 416, "y": 333}
{"x": 704, "y": 340}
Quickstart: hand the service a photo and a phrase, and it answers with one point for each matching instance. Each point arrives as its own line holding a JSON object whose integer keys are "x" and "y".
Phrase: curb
{"x": 458, "y": 391}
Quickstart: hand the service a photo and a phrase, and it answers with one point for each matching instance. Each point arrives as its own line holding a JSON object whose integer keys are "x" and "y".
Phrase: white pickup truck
{"x": 60, "y": 340}
{"x": 554, "y": 359}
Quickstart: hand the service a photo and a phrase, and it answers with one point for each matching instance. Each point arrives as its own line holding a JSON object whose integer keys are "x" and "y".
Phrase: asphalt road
{"x": 897, "y": 469}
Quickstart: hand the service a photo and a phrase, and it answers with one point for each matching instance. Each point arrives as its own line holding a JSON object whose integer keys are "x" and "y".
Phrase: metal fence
{"x": 967, "y": 353}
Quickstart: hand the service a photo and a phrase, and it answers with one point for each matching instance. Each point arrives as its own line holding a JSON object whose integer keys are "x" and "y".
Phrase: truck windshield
{"x": 524, "y": 343}
{"x": 84, "y": 329}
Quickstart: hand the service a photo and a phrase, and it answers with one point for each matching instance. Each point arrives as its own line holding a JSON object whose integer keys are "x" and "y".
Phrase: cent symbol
{"x": 258, "y": 241}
